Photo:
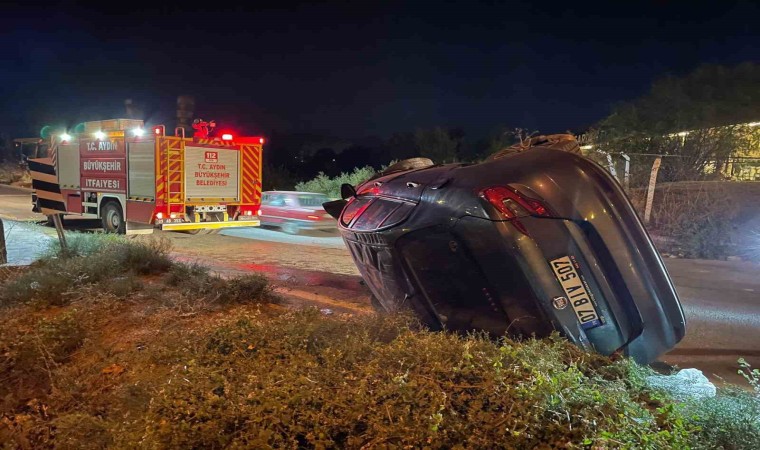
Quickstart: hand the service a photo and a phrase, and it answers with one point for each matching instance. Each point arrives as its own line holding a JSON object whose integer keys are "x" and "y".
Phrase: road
{"x": 721, "y": 299}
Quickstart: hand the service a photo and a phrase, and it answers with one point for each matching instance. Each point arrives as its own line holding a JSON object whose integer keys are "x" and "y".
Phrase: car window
{"x": 289, "y": 201}
{"x": 277, "y": 200}
{"x": 314, "y": 200}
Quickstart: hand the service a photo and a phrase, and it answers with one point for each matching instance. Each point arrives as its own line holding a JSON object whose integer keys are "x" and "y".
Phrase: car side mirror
{"x": 335, "y": 207}
{"x": 347, "y": 191}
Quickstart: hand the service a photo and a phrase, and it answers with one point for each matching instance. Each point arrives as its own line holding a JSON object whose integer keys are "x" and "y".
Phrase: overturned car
{"x": 535, "y": 239}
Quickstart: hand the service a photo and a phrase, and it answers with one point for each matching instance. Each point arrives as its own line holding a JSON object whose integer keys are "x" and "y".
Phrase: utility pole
{"x": 185, "y": 111}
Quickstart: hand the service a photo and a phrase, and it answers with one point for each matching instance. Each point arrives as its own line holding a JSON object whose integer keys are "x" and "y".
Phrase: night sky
{"x": 352, "y": 70}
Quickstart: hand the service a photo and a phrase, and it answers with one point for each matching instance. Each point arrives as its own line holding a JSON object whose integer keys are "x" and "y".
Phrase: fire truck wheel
{"x": 113, "y": 218}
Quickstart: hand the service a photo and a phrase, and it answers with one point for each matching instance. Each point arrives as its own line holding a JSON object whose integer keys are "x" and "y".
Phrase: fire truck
{"x": 135, "y": 180}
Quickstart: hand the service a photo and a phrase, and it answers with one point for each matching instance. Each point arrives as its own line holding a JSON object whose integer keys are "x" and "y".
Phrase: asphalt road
{"x": 721, "y": 299}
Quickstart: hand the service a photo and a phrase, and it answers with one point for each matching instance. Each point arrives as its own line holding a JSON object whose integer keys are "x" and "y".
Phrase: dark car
{"x": 295, "y": 211}
{"x": 523, "y": 244}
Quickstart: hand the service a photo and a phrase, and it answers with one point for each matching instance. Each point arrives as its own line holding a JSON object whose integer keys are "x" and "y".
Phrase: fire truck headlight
{"x": 138, "y": 132}
{"x": 65, "y": 137}
{"x": 99, "y": 135}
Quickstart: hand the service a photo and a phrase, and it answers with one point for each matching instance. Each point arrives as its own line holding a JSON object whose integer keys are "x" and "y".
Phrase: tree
{"x": 6, "y": 149}
{"x": 697, "y": 120}
{"x": 437, "y": 144}
{"x": 277, "y": 178}
{"x": 506, "y": 137}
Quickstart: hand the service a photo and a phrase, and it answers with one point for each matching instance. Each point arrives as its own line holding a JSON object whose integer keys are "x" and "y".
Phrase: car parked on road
{"x": 530, "y": 241}
{"x": 293, "y": 211}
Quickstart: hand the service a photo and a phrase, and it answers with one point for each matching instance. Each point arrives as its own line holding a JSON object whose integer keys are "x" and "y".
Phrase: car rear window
{"x": 312, "y": 200}
{"x": 371, "y": 213}
{"x": 375, "y": 214}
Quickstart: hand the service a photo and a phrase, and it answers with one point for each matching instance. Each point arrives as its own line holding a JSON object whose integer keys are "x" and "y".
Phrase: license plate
{"x": 576, "y": 293}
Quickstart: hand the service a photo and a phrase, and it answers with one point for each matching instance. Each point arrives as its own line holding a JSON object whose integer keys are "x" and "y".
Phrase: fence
{"x": 633, "y": 170}
{"x": 639, "y": 173}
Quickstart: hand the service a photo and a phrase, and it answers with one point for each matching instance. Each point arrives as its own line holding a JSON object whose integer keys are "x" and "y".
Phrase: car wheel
{"x": 290, "y": 228}
{"x": 113, "y": 218}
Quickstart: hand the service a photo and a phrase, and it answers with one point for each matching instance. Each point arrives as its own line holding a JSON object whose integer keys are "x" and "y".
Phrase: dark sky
{"x": 354, "y": 70}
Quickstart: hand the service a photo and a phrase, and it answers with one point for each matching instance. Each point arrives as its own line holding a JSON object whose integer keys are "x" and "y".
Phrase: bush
{"x": 257, "y": 379}
{"x": 30, "y": 358}
{"x": 196, "y": 282}
{"x": 307, "y": 381}
{"x": 728, "y": 421}
{"x": 331, "y": 186}
{"x": 698, "y": 218}
{"x": 89, "y": 260}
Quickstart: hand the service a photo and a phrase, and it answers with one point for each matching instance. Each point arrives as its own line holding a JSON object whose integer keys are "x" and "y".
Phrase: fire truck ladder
{"x": 175, "y": 175}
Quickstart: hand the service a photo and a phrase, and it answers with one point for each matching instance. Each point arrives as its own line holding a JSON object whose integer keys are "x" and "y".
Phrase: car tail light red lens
{"x": 513, "y": 205}
{"x": 313, "y": 217}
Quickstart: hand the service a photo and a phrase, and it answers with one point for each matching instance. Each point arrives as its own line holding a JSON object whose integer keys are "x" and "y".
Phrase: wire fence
{"x": 634, "y": 170}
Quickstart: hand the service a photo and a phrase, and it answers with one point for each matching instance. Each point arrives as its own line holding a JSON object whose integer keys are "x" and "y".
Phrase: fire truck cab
{"x": 136, "y": 179}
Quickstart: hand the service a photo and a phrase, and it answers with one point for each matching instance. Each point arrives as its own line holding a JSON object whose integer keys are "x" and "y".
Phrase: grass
{"x": 179, "y": 358}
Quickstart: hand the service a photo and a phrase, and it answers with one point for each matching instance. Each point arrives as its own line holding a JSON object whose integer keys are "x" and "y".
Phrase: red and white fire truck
{"x": 136, "y": 180}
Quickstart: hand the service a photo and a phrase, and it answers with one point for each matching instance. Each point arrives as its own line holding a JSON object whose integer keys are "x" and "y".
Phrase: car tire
{"x": 290, "y": 228}
{"x": 113, "y": 218}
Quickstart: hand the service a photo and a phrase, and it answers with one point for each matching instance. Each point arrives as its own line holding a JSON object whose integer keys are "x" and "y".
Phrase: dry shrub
{"x": 32, "y": 347}
{"x": 698, "y": 219}
{"x": 91, "y": 259}
{"x": 303, "y": 380}
{"x": 306, "y": 381}
{"x": 197, "y": 282}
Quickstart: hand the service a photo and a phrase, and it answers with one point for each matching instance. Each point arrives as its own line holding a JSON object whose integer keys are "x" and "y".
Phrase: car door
{"x": 272, "y": 209}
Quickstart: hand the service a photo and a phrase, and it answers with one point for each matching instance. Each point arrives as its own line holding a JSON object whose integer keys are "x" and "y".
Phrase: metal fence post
{"x": 627, "y": 173}
{"x": 612, "y": 166}
{"x": 3, "y": 249}
{"x": 650, "y": 189}
{"x": 61, "y": 235}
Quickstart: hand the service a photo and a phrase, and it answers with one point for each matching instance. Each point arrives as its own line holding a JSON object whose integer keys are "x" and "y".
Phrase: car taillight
{"x": 513, "y": 205}
{"x": 313, "y": 217}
